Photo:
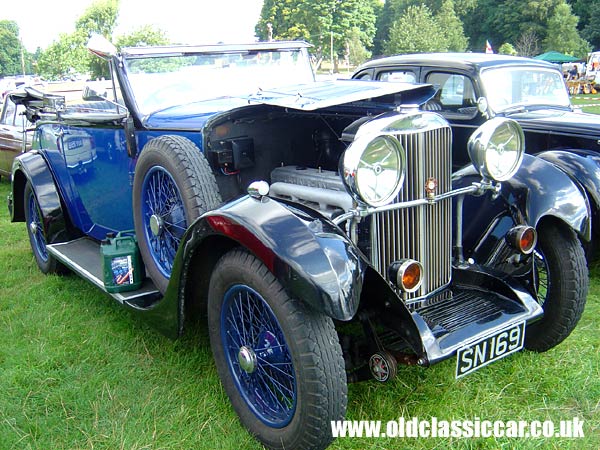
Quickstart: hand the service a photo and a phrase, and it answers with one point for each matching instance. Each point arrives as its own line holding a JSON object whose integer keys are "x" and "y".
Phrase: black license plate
{"x": 489, "y": 349}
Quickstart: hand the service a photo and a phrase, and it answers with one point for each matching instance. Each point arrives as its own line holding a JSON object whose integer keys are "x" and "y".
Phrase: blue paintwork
{"x": 192, "y": 116}
{"x": 97, "y": 203}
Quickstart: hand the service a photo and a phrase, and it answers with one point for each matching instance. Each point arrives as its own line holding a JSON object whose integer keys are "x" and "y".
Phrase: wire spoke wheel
{"x": 542, "y": 279}
{"x": 38, "y": 240}
{"x": 173, "y": 185}
{"x": 258, "y": 356}
{"x": 279, "y": 361}
{"x": 561, "y": 280}
{"x": 36, "y": 227}
{"x": 164, "y": 217}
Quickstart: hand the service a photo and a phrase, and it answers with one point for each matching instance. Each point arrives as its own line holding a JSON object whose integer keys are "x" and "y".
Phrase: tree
{"x": 10, "y": 48}
{"x": 64, "y": 56}
{"x": 69, "y": 54}
{"x": 589, "y": 26}
{"x": 100, "y": 17}
{"x": 528, "y": 44}
{"x": 452, "y": 27}
{"x": 416, "y": 31}
{"x": 507, "y": 49}
{"x": 564, "y": 36}
{"x": 591, "y": 33}
{"x": 394, "y": 9}
{"x": 142, "y": 36}
{"x": 357, "y": 53}
{"x": 319, "y": 22}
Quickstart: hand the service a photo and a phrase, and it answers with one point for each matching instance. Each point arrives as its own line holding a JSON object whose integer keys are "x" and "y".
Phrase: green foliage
{"x": 357, "y": 53}
{"x": 507, "y": 49}
{"x": 416, "y": 31}
{"x": 452, "y": 27}
{"x": 65, "y": 56}
{"x": 100, "y": 17}
{"x": 318, "y": 22}
{"x": 589, "y": 25}
{"x": 564, "y": 36}
{"x": 10, "y": 48}
{"x": 143, "y": 36}
{"x": 394, "y": 9}
{"x": 69, "y": 54}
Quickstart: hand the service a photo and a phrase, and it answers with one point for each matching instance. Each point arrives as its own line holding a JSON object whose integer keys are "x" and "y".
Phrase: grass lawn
{"x": 79, "y": 372}
{"x": 591, "y": 102}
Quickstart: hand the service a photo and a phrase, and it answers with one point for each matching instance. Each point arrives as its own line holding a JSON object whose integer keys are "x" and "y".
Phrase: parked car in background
{"x": 13, "y": 137}
{"x": 592, "y": 69}
{"x": 318, "y": 224}
{"x": 474, "y": 87}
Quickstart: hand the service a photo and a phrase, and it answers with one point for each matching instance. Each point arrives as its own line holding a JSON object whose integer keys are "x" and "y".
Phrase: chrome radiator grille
{"x": 423, "y": 233}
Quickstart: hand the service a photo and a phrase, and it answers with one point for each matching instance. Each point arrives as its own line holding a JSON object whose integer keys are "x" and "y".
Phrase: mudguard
{"x": 312, "y": 259}
{"x": 538, "y": 190}
{"x": 583, "y": 166}
{"x": 32, "y": 167}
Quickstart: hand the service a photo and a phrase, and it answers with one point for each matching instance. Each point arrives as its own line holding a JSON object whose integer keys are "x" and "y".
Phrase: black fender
{"x": 31, "y": 166}
{"x": 583, "y": 166}
{"x": 311, "y": 257}
{"x": 538, "y": 190}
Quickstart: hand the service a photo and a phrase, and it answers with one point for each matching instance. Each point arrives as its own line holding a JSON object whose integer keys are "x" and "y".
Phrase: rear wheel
{"x": 37, "y": 234}
{"x": 173, "y": 185}
{"x": 281, "y": 364}
{"x": 562, "y": 282}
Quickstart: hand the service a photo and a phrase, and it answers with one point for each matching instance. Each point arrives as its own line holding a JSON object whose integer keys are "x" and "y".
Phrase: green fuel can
{"x": 121, "y": 262}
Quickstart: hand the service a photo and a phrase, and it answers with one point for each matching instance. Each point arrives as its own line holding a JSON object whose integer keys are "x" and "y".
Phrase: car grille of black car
{"x": 423, "y": 233}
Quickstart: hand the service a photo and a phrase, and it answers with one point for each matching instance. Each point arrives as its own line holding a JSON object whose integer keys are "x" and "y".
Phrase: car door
{"x": 94, "y": 171}
{"x": 12, "y": 126}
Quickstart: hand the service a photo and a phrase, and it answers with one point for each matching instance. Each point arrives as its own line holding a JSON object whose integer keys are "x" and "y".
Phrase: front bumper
{"x": 477, "y": 304}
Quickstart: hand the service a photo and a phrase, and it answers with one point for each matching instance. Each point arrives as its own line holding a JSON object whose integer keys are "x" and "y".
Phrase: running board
{"x": 83, "y": 257}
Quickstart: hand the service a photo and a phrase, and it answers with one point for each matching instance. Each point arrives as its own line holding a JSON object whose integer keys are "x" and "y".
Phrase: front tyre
{"x": 37, "y": 235}
{"x": 562, "y": 282}
{"x": 281, "y": 363}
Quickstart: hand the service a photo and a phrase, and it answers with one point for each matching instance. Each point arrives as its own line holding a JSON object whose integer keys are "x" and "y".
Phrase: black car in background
{"x": 473, "y": 87}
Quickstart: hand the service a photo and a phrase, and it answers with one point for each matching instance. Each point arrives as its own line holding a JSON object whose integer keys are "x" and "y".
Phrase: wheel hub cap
{"x": 156, "y": 225}
{"x": 33, "y": 228}
{"x": 247, "y": 359}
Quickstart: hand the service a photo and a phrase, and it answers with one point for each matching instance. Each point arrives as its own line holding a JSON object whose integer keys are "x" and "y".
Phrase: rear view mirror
{"x": 90, "y": 93}
{"x": 102, "y": 47}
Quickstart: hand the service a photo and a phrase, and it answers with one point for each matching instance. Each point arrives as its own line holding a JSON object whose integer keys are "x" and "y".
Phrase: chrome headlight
{"x": 496, "y": 148}
{"x": 373, "y": 169}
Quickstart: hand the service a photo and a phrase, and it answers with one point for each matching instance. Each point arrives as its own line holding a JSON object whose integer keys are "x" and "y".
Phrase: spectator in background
{"x": 574, "y": 73}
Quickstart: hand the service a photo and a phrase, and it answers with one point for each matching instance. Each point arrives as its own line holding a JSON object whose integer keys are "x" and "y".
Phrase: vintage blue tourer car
{"x": 318, "y": 225}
